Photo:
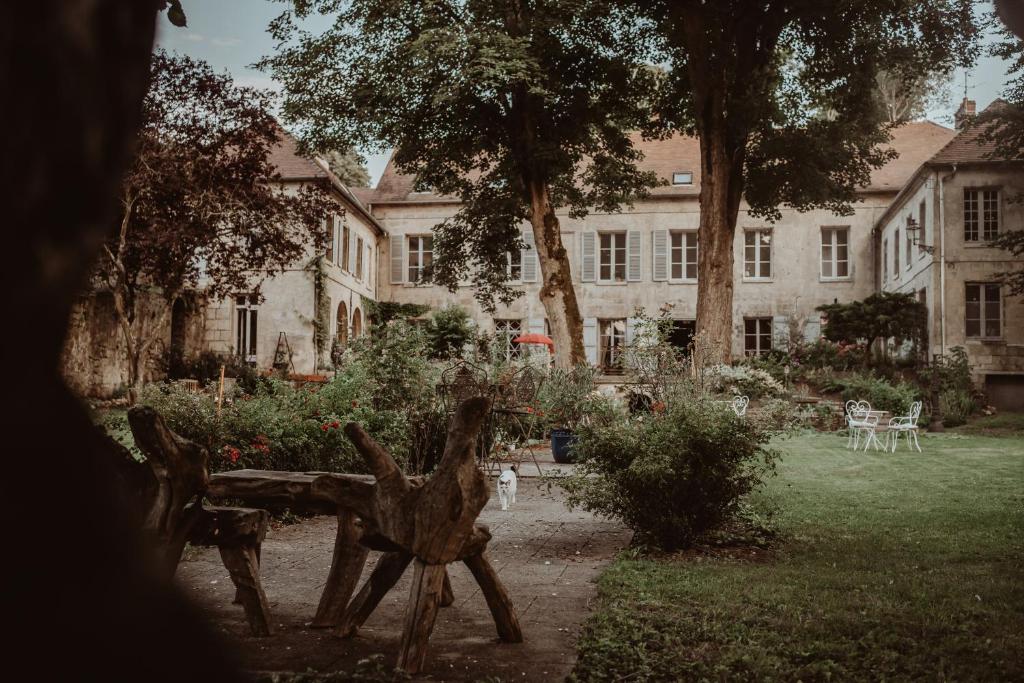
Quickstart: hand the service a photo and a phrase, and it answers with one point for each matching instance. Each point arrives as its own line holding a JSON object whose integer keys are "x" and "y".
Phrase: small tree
{"x": 449, "y": 331}
{"x": 886, "y": 315}
{"x": 202, "y": 204}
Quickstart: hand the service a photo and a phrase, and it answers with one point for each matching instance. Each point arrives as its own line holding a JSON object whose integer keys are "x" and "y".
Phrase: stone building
{"x": 646, "y": 256}
{"x": 278, "y": 324}
{"x": 933, "y": 241}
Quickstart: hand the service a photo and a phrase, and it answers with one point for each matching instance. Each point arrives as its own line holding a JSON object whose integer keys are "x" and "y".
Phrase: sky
{"x": 232, "y": 34}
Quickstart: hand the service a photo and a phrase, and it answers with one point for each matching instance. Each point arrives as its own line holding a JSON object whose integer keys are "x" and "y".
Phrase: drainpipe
{"x": 942, "y": 259}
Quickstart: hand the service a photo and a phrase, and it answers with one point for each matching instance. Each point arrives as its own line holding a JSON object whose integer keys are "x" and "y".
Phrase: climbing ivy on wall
{"x": 322, "y": 317}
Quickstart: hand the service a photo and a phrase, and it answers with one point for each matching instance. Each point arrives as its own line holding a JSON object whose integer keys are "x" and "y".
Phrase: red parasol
{"x": 534, "y": 339}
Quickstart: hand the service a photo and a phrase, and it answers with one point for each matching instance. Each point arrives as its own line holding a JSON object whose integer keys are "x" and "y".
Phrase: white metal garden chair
{"x": 739, "y": 405}
{"x": 858, "y": 421}
{"x": 907, "y": 425}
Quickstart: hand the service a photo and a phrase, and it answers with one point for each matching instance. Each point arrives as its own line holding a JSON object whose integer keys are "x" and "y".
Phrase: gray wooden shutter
{"x": 780, "y": 332}
{"x": 659, "y": 267}
{"x": 634, "y": 267}
{"x": 590, "y": 339}
{"x": 529, "y": 257}
{"x": 352, "y": 252}
{"x": 588, "y": 257}
{"x": 812, "y": 329}
{"x": 397, "y": 259}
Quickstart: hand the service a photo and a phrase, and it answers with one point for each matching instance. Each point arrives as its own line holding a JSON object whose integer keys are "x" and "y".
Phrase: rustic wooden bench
{"x": 428, "y": 522}
{"x": 164, "y": 494}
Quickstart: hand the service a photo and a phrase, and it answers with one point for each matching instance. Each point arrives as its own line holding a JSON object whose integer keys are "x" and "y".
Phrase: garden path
{"x": 547, "y": 557}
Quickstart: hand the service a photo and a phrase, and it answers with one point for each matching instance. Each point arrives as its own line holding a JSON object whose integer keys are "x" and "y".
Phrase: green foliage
{"x": 348, "y": 166}
{"x": 386, "y": 384}
{"x": 380, "y": 313}
{"x": 449, "y": 331}
{"x": 884, "y": 315}
{"x": 957, "y": 406}
{"x": 488, "y": 103}
{"x": 743, "y": 380}
{"x": 567, "y": 396}
{"x": 880, "y": 393}
{"x": 322, "y": 319}
{"x": 672, "y": 476}
{"x": 880, "y": 561}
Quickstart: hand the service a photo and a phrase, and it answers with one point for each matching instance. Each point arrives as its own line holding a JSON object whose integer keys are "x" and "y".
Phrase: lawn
{"x": 887, "y": 567}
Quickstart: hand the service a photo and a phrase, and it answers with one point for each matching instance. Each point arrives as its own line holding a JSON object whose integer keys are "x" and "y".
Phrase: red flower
{"x": 232, "y": 453}
{"x": 355, "y": 404}
{"x": 658, "y": 407}
{"x": 335, "y": 424}
{"x": 325, "y": 427}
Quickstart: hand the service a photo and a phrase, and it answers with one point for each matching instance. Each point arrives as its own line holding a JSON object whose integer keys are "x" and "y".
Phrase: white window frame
{"x": 758, "y": 335}
{"x": 981, "y": 232}
{"x": 982, "y": 319}
{"x": 247, "y": 308}
{"x": 420, "y": 253}
{"x": 616, "y": 348}
{"x": 682, "y": 178}
{"x": 613, "y": 251}
{"x": 507, "y": 329}
{"x": 758, "y": 262}
{"x": 684, "y": 250}
{"x": 896, "y": 254}
{"x": 513, "y": 261}
{"x": 834, "y": 259}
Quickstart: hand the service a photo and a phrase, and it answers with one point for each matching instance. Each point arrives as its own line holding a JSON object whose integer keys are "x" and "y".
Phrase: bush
{"x": 566, "y": 396}
{"x": 744, "y": 380}
{"x": 880, "y": 393}
{"x": 957, "y": 405}
{"x": 386, "y": 384}
{"x": 673, "y": 475}
{"x": 449, "y": 331}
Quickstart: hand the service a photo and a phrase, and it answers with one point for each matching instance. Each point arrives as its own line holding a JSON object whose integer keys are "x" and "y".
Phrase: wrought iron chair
{"x": 906, "y": 424}
{"x": 857, "y": 417}
{"x": 514, "y": 402}
{"x": 461, "y": 381}
{"x": 739, "y": 405}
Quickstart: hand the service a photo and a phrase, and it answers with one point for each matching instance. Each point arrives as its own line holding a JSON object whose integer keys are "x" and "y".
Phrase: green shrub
{"x": 957, "y": 405}
{"x": 744, "y": 380}
{"x": 566, "y": 396}
{"x": 673, "y": 475}
{"x": 449, "y": 331}
{"x": 882, "y": 394}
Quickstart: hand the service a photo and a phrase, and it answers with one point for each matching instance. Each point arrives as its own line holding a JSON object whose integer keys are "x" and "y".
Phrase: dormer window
{"x": 682, "y": 178}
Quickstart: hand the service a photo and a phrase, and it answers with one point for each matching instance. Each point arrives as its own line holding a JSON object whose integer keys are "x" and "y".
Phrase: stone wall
{"x": 95, "y": 360}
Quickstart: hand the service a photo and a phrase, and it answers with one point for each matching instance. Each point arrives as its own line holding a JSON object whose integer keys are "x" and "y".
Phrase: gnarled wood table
{"x": 428, "y": 523}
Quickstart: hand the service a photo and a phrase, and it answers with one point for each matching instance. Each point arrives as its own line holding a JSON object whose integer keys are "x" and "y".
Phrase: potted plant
{"x": 563, "y": 399}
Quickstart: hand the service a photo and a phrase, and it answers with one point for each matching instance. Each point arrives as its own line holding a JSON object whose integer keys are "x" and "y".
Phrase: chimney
{"x": 965, "y": 114}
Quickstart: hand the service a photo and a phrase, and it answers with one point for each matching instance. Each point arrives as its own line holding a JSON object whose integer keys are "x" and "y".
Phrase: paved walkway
{"x": 547, "y": 556}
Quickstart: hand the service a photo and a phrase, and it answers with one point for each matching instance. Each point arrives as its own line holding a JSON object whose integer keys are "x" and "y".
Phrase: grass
{"x": 888, "y": 567}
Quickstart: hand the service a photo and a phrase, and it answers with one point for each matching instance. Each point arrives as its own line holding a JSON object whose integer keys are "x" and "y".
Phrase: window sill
{"x": 684, "y": 281}
{"x": 836, "y": 279}
{"x": 979, "y": 244}
{"x": 613, "y": 283}
{"x": 756, "y": 280}
{"x": 987, "y": 341}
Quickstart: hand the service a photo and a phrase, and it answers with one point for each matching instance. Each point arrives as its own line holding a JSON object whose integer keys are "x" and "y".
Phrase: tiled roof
{"x": 290, "y": 164}
{"x": 967, "y": 147}
{"x": 916, "y": 142}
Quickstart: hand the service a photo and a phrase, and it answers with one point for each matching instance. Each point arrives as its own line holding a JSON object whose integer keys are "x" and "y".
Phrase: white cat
{"x": 507, "y": 483}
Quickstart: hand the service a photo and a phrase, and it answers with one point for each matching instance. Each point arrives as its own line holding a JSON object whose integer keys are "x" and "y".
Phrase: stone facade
{"x": 962, "y": 198}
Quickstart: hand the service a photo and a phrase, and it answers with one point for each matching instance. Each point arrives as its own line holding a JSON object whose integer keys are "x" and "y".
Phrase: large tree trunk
{"x": 556, "y": 292}
{"x": 721, "y": 188}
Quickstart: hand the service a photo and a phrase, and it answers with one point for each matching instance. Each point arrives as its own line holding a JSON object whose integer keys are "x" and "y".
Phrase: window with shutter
{"x": 397, "y": 259}
{"x": 659, "y": 248}
{"x": 529, "y": 259}
{"x": 634, "y": 246}
{"x": 588, "y": 256}
{"x": 612, "y": 257}
{"x": 683, "y": 259}
{"x": 345, "y": 238}
{"x": 421, "y": 255}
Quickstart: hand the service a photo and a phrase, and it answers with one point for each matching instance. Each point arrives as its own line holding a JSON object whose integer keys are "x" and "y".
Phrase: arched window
{"x": 357, "y": 323}
{"x": 341, "y": 335}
